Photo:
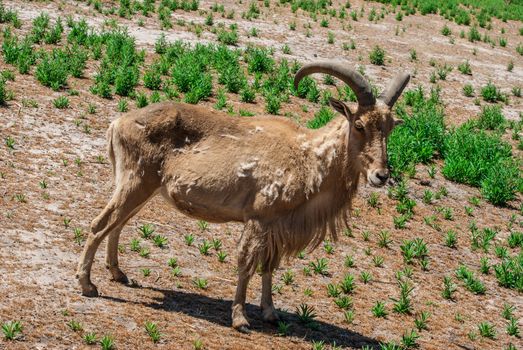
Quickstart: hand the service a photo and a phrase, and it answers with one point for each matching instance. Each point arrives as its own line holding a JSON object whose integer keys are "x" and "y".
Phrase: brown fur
{"x": 291, "y": 186}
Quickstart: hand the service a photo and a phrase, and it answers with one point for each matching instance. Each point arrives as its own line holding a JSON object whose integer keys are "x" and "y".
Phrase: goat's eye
{"x": 358, "y": 124}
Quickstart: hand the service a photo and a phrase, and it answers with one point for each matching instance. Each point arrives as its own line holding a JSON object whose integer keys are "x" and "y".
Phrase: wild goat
{"x": 288, "y": 184}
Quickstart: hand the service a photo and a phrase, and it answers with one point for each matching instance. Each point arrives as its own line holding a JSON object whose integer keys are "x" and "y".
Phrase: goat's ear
{"x": 398, "y": 121}
{"x": 341, "y": 107}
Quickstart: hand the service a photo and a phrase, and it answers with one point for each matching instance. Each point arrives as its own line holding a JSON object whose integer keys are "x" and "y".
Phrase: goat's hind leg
{"x": 247, "y": 261}
{"x": 130, "y": 195}
{"x": 111, "y": 257}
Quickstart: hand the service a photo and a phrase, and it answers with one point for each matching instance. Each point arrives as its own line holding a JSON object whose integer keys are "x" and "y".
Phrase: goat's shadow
{"x": 218, "y": 311}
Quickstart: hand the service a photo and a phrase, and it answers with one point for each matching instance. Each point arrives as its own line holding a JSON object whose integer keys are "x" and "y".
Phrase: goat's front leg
{"x": 268, "y": 311}
{"x": 239, "y": 315}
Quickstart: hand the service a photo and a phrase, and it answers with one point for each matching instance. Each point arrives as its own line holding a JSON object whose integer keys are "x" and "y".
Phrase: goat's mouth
{"x": 378, "y": 177}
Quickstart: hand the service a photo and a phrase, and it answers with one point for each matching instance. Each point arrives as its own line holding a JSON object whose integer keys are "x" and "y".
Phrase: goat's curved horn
{"x": 355, "y": 80}
{"x": 395, "y": 88}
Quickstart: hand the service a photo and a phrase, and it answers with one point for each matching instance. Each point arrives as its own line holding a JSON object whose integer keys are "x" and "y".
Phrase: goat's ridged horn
{"x": 395, "y": 88}
{"x": 355, "y": 80}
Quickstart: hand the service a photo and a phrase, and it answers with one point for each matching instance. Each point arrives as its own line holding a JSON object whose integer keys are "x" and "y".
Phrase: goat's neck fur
{"x": 334, "y": 183}
{"x": 333, "y": 157}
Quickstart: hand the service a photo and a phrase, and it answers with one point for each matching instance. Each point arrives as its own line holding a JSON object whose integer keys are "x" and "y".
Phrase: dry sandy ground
{"x": 38, "y": 254}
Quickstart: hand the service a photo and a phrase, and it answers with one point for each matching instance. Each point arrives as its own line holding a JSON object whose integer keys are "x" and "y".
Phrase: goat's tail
{"x": 110, "y": 147}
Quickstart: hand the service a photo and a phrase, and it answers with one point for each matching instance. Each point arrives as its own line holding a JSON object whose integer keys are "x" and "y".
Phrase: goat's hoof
{"x": 244, "y": 330}
{"x": 90, "y": 291}
{"x": 241, "y": 324}
{"x": 270, "y": 315}
{"x": 120, "y": 277}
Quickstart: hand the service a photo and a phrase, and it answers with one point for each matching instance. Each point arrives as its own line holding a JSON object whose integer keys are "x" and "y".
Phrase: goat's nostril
{"x": 382, "y": 175}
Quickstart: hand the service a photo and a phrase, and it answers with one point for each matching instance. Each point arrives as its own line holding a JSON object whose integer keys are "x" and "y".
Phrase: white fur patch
{"x": 305, "y": 146}
{"x": 230, "y": 136}
{"x": 271, "y": 191}
{"x": 256, "y": 130}
{"x": 246, "y": 169}
{"x": 326, "y": 151}
{"x": 200, "y": 150}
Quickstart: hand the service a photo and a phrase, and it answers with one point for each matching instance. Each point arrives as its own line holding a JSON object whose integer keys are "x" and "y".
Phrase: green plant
{"x": 75, "y": 325}
{"x": 472, "y": 284}
{"x": 107, "y": 342}
{"x": 377, "y": 260}
{"x": 473, "y": 34}
{"x": 412, "y": 249}
{"x": 379, "y": 310}
{"x": 483, "y": 160}
{"x": 464, "y": 68}
{"x": 205, "y": 247}
{"x": 141, "y": 100}
{"x": 403, "y": 304}
{"x": 320, "y": 266}
{"x": 189, "y": 239}
{"x": 247, "y": 94}
{"x": 89, "y": 338}
{"x": 306, "y": 314}
{"x": 468, "y": 90}
{"x": 409, "y": 338}
{"x": 490, "y": 93}
{"x": 328, "y": 247}
{"x": 200, "y": 283}
{"x": 283, "y": 328}
{"x": 421, "y": 320}
{"x": 272, "y": 104}
{"x": 123, "y": 106}
{"x": 513, "y": 328}
{"x": 384, "y": 239}
{"x": 510, "y": 66}
{"x": 321, "y": 118}
{"x": 448, "y": 288}
{"x": 144, "y": 252}
{"x": 288, "y": 277}
{"x": 487, "y": 330}
{"x": 451, "y": 239}
{"x": 198, "y": 344}
{"x": 349, "y": 261}
{"x": 12, "y": 329}
{"x": 52, "y": 70}
{"x": 343, "y": 302}
{"x": 152, "y": 331}
{"x": 347, "y": 284}
{"x": 146, "y": 230}
{"x": 348, "y": 316}
{"x": 509, "y": 272}
{"x": 61, "y": 102}
{"x": 421, "y": 136}
{"x": 152, "y": 78}
{"x": 160, "y": 241}
{"x": 515, "y": 239}
{"x": 172, "y": 262}
{"x": 10, "y": 142}
{"x": 333, "y": 290}
{"x": 377, "y": 56}
{"x": 491, "y": 118}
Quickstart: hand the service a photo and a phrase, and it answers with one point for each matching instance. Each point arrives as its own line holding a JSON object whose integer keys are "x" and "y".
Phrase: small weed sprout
{"x": 152, "y": 331}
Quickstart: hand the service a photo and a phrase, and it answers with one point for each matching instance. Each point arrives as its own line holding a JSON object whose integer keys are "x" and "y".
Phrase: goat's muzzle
{"x": 378, "y": 177}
